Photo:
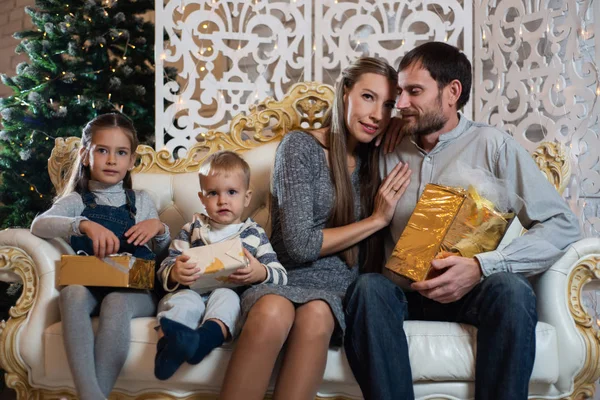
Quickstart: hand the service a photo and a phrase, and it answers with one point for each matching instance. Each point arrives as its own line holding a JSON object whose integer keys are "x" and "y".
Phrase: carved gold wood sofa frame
{"x": 268, "y": 121}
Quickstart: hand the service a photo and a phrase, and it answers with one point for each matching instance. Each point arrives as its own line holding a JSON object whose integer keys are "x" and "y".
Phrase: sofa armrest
{"x": 33, "y": 261}
{"x": 559, "y": 302}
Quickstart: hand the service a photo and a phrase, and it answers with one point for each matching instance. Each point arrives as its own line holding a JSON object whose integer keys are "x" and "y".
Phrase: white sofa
{"x": 442, "y": 354}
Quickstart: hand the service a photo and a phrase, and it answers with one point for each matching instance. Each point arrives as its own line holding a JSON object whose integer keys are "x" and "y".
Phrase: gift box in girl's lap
{"x": 118, "y": 270}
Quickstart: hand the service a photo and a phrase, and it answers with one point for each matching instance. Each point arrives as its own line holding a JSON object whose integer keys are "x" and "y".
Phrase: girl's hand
{"x": 104, "y": 240}
{"x": 392, "y": 188}
{"x": 143, "y": 231}
{"x": 254, "y": 272}
{"x": 183, "y": 272}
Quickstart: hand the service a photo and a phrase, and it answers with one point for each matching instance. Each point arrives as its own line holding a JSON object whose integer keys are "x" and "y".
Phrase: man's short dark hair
{"x": 445, "y": 63}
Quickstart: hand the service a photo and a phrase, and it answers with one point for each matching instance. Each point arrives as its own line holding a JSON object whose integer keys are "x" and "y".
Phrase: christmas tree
{"x": 86, "y": 58}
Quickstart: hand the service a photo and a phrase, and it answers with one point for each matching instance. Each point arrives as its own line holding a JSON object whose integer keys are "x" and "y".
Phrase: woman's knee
{"x": 270, "y": 319}
{"x": 315, "y": 320}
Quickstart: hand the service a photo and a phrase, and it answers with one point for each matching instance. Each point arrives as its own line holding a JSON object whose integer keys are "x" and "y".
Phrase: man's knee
{"x": 373, "y": 290}
{"x": 513, "y": 287}
{"x": 513, "y": 295}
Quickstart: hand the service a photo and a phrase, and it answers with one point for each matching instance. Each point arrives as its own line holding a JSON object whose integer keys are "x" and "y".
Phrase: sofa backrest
{"x": 173, "y": 183}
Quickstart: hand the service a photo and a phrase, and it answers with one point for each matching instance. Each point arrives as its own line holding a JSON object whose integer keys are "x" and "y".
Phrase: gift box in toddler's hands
{"x": 217, "y": 261}
{"x": 446, "y": 220}
{"x": 117, "y": 270}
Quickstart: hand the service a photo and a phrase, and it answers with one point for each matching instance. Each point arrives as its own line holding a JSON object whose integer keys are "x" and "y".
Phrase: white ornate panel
{"x": 345, "y": 30}
{"x": 225, "y": 51}
{"x": 536, "y": 76}
{"x": 535, "y": 69}
{"x": 231, "y": 53}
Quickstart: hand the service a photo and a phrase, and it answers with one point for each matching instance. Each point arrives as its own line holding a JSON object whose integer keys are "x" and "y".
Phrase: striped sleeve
{"x": 178, "y": 245}
{"x": 257, "y": 242}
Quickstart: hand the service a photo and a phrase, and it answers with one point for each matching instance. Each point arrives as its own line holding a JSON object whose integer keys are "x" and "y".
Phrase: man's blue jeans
{"x": 502, "y": 307}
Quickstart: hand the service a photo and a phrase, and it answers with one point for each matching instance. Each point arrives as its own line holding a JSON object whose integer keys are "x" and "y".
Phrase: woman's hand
{"x": 183, "y": 272}
{"x": 254, "y": 272}
{"x": 143, "y": 231}
{"x": 392, "y": 188}
{"x": 104, "y": 240}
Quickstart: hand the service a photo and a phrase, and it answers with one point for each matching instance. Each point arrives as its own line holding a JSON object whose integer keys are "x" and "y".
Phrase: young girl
{"x": 98, "y": 212}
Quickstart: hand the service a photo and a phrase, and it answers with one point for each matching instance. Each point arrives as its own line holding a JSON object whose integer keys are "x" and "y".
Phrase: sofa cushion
{"x": 439, "y": 351}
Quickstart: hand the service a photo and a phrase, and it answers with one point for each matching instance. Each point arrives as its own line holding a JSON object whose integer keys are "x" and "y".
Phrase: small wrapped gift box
{"x": 217, "y": 261}
{"x": 118, "y": 270}
{"x": 446, "y": 220}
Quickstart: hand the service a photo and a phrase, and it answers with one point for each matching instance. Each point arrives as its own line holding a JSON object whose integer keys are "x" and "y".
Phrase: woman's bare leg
{"x": 263, "y": 335}
{"x": 306, "y": 354}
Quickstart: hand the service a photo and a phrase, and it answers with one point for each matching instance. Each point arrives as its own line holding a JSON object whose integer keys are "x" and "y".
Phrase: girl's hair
{"x": 80, "y": 174}
{"x": 371, "y": 249}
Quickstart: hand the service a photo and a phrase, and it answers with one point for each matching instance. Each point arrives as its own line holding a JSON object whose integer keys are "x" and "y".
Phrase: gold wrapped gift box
{"x": 446, "y": 220}
{"x": 120, "y": 270}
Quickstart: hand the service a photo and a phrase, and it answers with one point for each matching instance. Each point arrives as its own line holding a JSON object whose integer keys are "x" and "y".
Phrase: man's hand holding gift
{"x": 451, "y": 278}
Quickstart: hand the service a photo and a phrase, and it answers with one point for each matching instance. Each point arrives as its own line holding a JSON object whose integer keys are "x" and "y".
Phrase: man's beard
{"x": 429, "y": 122}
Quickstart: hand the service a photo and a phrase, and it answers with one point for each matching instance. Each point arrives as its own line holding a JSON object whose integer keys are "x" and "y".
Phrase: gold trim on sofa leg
{"x": 13, "y": 259}
{"x": 587, "y": 270}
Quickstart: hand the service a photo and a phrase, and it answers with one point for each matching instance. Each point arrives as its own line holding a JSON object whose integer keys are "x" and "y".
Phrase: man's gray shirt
{"x": 551, "y": 224}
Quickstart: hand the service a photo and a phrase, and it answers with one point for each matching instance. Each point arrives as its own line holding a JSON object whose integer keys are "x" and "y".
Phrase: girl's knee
{"x": 73, "y": 293}
{"x": 115, "y": 299}
{"x": 115, "y": 304}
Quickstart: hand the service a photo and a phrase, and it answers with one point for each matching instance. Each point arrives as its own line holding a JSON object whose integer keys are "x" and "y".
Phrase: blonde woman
{"x": 328, "y": 206}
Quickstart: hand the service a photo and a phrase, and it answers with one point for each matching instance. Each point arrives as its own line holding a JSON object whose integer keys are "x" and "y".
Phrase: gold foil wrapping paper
{"x": 141, "y": 275}
{"x": 120, "y": 270}
{"x": 446, "y": 220}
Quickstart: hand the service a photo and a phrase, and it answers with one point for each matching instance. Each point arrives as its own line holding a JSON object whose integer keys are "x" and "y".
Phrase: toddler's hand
{"x": 184, "y": 272}
{"x": 143, "y": 231}
{"x": 254, "y": 272}
{"x": 104, "y": 240}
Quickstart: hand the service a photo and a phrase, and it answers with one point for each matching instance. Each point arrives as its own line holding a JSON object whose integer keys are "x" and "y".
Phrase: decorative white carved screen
{"x": 536, "y": 76}
{"x": 535, "y": 73}
{"x": 232, "y": 53}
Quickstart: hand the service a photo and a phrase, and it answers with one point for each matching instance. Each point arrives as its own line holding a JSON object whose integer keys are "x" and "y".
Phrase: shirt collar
{"x": 96, "y": 186}
{"x": 446, "y": 137}
{"x": 457, "y": 131}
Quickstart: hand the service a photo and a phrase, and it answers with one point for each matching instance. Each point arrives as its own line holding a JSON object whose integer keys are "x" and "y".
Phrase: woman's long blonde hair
{"x": 371, "y": 249}
{"x": 80, "y": 174}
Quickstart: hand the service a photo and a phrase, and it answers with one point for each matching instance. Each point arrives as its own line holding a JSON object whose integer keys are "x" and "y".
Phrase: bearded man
{"x": 491, "y": 290}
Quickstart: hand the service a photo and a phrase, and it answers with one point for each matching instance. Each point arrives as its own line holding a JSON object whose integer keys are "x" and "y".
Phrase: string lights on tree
{"x": 86, "y": 57}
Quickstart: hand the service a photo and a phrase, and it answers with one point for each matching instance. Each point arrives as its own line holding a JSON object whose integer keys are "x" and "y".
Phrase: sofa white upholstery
{"x": 442, "y": 354}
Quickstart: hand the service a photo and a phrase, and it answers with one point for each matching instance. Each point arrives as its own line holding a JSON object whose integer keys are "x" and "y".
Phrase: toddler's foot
{"x": 209, "y": 337}
{"x": 169, "y": 353}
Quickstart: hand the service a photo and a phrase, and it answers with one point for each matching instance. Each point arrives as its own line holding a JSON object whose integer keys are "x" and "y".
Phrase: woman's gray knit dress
{"x": 301, "y": 204}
